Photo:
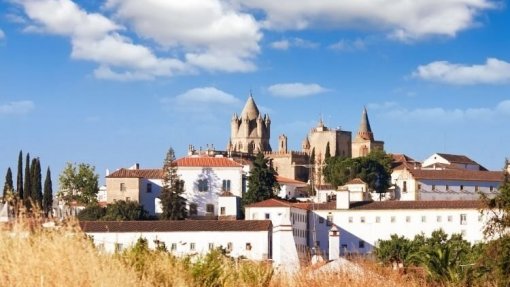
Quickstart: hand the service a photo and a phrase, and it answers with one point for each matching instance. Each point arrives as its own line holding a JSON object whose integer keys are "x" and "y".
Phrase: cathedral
{"x": 250, "y": 134}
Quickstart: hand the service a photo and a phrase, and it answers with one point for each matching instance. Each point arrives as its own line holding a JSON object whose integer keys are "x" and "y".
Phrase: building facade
{"x": 364, "y": 141}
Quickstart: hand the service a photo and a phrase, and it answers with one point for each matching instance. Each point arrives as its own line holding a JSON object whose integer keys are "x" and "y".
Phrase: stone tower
{"x": 364, "y": 142}
{"x": 250, "y": 131}
{"x": 282, "y": 143}
{"x": 319, "y": 137}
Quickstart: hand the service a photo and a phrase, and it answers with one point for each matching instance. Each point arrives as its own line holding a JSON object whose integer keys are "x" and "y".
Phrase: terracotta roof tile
{"x": 397, "y": 204}
{"x": 175, "y": 225}
{"x": 137, "y": 173}
{"x": 285, "y": 180}
{"x": 456, "y": 158}
{"x": 458, "y": 174}
{"x": 356, "y": 180}
{"x": 203, "y": 161}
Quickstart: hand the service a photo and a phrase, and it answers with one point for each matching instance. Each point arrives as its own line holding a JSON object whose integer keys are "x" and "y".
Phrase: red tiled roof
{"x": 397, "y": 204}
{"x": 202, "y": 161}
{"x": 400, "y": 157}
{"x": 137, "y": 173}
{"x": 285, "y": 180}
{"x": 456, "y": 158}
{"x": 457, "y": 174}
{"x": 276, "y": 202}
{"x": 356, "y": 180}
{"x": 176, "y": 225}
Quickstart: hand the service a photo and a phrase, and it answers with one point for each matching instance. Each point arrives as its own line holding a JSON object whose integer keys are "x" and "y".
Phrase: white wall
{"x": 148, "y": 199}
{"x": 259, "y": 241}
{"x": 403, "y": 222}
{"x": 215, "y": 177}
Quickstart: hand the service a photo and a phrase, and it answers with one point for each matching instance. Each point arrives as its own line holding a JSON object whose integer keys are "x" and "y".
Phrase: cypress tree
{"x": 48, "y": 193}
{"x": 172, "y": 201}
{"x": 36, "y": 182}
{"x": 327, "y": 154}
{"x": 8, "y": 186}
{"x": 19, "y": 179}
{"x": 262, "y": 182}
{"x": 27, "y": 186}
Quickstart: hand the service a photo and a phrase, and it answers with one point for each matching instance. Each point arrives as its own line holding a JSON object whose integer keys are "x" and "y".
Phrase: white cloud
{"x": 202, "y": 104}
{"x": 16, "y": 108}
{"x": 442, "y": 115}
{"x": 345, "y": 45}
{"x": 280, "y": 45}
{"x": 494, "y": 71}
{"x": 2, "y": 34}
{"x": 294, "y": 42}
{"x": 214, "y": 35}
{"x": 96, "y": 38}
{"x": 382, "y": 106}
{"x": 401, "y": 19}
{"x": 295, "y": 90}
{"x": 207, "y": 95}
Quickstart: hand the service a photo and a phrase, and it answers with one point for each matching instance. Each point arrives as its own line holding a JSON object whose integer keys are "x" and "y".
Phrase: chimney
{"x": 343, "y": 198}
{"x": 334, "y": 243}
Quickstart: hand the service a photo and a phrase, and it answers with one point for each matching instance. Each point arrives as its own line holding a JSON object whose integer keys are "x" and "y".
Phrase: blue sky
{"x": 114, "y": 82}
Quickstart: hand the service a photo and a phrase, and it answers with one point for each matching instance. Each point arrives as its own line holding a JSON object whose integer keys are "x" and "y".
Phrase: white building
{"x": 451, "y": 161}
{"x": 444, "y": 184}
{"x": 290, "y": 188}
{"x": 205, "y": 179}
{"x": 251, "y": 239}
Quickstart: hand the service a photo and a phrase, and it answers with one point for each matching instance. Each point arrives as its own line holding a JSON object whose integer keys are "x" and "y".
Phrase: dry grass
{"x": 65, "y": 257}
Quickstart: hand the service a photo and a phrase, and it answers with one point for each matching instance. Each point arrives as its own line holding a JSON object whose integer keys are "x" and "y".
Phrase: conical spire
{"x": 365, "y": 131}
{"x": 250, "y": 109}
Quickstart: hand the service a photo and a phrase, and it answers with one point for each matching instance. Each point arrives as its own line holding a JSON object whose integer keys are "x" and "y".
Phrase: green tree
{"x": 172, "y": 201}
{"x": 374, "y": 169}
{"x": 8, "y": 186}
{"x": 27, "y": 188}
{"x": 47, "y": 201}
{"x": 262, "y": 182}
{"x": 125, "y": 210}
{"x": 36, "y": 182}
{"x": 78, "y": 183}
{"x": 396, "y": 250}
{"x": 327, "y": 154}
{"x": 19, "y": 179}
{"x": 92, "y": 212}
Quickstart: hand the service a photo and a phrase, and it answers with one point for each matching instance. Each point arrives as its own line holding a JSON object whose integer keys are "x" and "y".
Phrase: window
{"x": 230, "y": 246}
{"x": 419, "y": 186}
{"x": 433, "y": 187}
{"x": 476, "y": 188}
{"x": 317, "y": 243}
{"x": 128, "y": 198}
{"x": 267, "y": 216}
{"x": 404, "y": 186}
{"x": 438, "y": 218}
{"x": 377, "y": 219}
{"x": 248, "y": 246}
{"x": 362, "y": 219}
{"x": 193, "y": 209}
{"x": 118, "y": 247}
{"x": 446, "y": 187}
{"x": 423, "y": 219}
{"x": 361, "y": 244}
{"x": 392, "y": 219}
{"x": 226, "y": 185}
{"x": 149, "y": 187}
{"x": 450, "y": 218}
{"x": 173, "y": 247}
{"x": 192, "y": 246}
{"x": 491, "y": 188}
{"x": 350, "y": 219}
{"x": 222, "y": 210}
{"x": 321, "y": 219}
{"x": 209, "y": 208}
{"x": 408, "y": 219}
{"x": 329, "y": 220}
{"x": 211, "y": 246}
{"x": 463, "y": 219}
{"x": 122, "y": 186}
{"x": 461, "y": 187}
{"x": 203, "y": 185}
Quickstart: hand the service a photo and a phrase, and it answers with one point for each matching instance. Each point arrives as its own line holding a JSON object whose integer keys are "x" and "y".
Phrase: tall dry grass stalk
{"x": 63, "y": 256}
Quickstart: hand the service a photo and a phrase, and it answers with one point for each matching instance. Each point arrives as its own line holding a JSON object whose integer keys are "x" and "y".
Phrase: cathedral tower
{"x": 364, "y": 142}
{"x": 250, "y": 131}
